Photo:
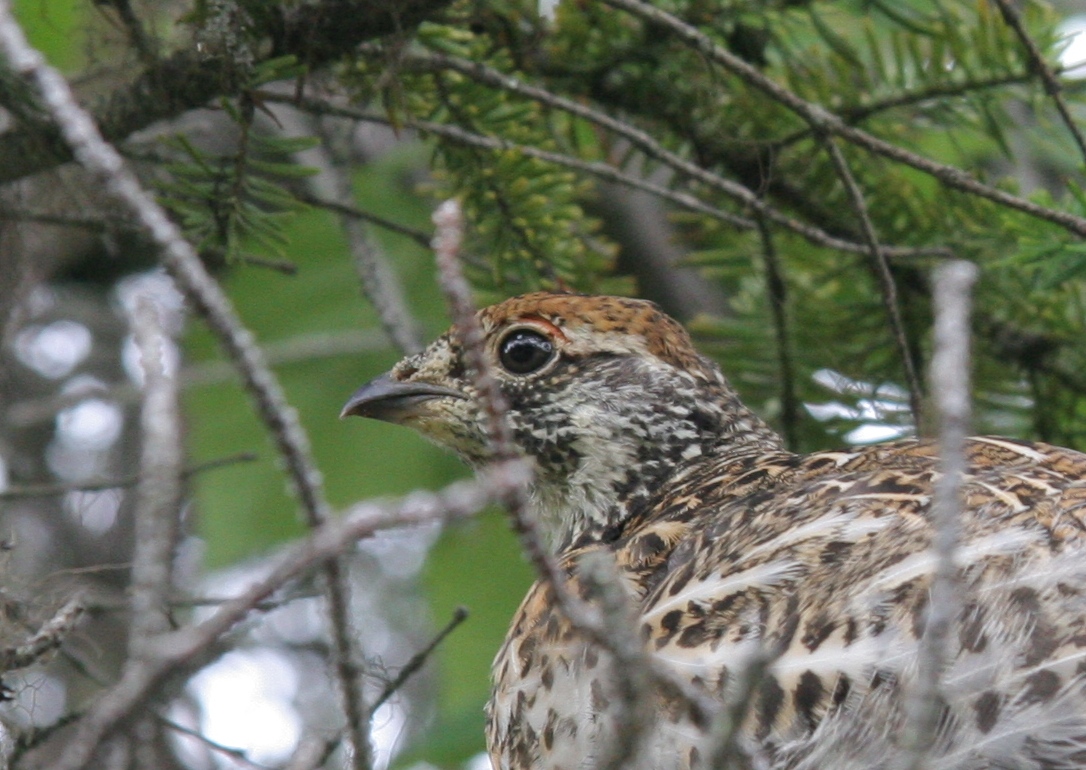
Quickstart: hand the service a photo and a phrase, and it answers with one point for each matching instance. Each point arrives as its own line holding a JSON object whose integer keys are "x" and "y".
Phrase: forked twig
{"x": 583, "y": 616}
{"x": 181, "y": 260}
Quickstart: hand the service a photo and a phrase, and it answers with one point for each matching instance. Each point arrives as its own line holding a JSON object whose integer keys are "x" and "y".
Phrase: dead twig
{"x": 176, "y": 649}
{"x": 583, "y": 616}
{"x": 180, "y": 259}
{"x": 950, "y": 387}
{"x": 43, "y": 641}
{"x": 22, "y": 491}
{"x": 158, "y": 494}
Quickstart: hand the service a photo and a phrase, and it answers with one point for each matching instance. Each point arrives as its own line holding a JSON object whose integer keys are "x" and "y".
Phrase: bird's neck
{"x": 626, "y": 456}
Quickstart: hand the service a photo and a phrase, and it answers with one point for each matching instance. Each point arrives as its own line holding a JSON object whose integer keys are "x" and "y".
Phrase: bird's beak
{"x": 391, "y": 400}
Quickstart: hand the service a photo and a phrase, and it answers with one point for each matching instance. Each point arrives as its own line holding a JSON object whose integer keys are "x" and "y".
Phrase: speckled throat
{"x": 617, "y": 430}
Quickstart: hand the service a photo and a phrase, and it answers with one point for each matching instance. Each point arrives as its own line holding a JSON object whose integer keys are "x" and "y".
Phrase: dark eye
{"x": 524, "y": 351}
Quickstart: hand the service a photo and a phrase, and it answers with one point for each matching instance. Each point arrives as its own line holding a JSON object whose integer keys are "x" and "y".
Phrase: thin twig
{"x": 43, "y": 641}
{"x": 379, "y": 282}
{"x": 348, "y": 672}
{"x": 606, "y": 172}
{"x": 144, "y": 44}
{"x": 284, "y": 266}
{"x": 826, "y": 122}
{"x": 861, "y": 112}
{"x": 457, "y": 501}
{"x": 158, "y": 494}
{"x": 82, "y": 668}
{"x": 778, "y": 305}
{"x": 122, "y": 482}
{"x": 460, "y": 614}
{"x": 1037, "y": 62}
{"x": 449, "y": 235}
{"x": 344, "y": 210}
{"x": 93, "y": 152}
{"x": 236, "y": 755}
{"x": 887, "y": 285}
{"x": 950, "y": 386}
{"x": 631, "y": 674}
{"x": 601, "y": 170}
{"x": 725, "y": 753}
{"x": 595, "y": 620}
{"x": 311, "y": 753}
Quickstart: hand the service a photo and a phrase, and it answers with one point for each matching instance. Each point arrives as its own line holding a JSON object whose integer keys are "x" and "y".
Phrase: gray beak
{"x": 390, "y": 400}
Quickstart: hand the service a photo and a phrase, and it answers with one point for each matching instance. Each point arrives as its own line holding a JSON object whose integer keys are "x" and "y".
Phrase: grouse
{"x": 726, "y": 543}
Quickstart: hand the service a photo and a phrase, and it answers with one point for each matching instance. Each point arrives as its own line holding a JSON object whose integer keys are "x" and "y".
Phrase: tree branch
{"x": 317, "y": 34}
{"x": 649, "y": 146}
{"x": 1048, "y": 77}
{"x": 827, "y": 122}
{"x": 887, "y": 286}
{"x": 606, "y": 172}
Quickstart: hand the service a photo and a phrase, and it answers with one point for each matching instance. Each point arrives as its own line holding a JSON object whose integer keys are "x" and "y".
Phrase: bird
{"x": 726, "y": 544}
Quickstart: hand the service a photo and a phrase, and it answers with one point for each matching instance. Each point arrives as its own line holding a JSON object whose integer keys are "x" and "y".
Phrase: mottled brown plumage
{"x": 726, "y": 543}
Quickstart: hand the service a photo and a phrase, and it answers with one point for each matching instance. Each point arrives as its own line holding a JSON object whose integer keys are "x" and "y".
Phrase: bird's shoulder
{"x": 744, "y": 502}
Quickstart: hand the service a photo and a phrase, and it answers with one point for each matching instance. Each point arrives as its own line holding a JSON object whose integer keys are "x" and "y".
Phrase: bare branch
{"x": 826, "y": 122}
{"x": 447, "y": 239}
{"x": 43, "y": 641}
{"x": 312, "y": 753}
{"x": 887, "y": 286}
{"x": 380, "y": 283}
{"x": 235, "y": 755}
{"x": 725, "y": 752}
{"x": 158, "y": 495}
{"x": 145, "y": 45}
{"x": 584, "y": 617}
{"x": 93, "y": 152}
{"x": 175, "y": 649}
{"x": 631, "y": 671}
{"x": 950, "y": 387}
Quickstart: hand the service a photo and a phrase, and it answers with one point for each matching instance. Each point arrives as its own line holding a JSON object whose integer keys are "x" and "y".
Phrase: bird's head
{"x": 607, "y": 395}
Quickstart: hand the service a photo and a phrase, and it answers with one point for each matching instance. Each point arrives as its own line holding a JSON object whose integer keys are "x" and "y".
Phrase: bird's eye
{"x": 524, "y": 351}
